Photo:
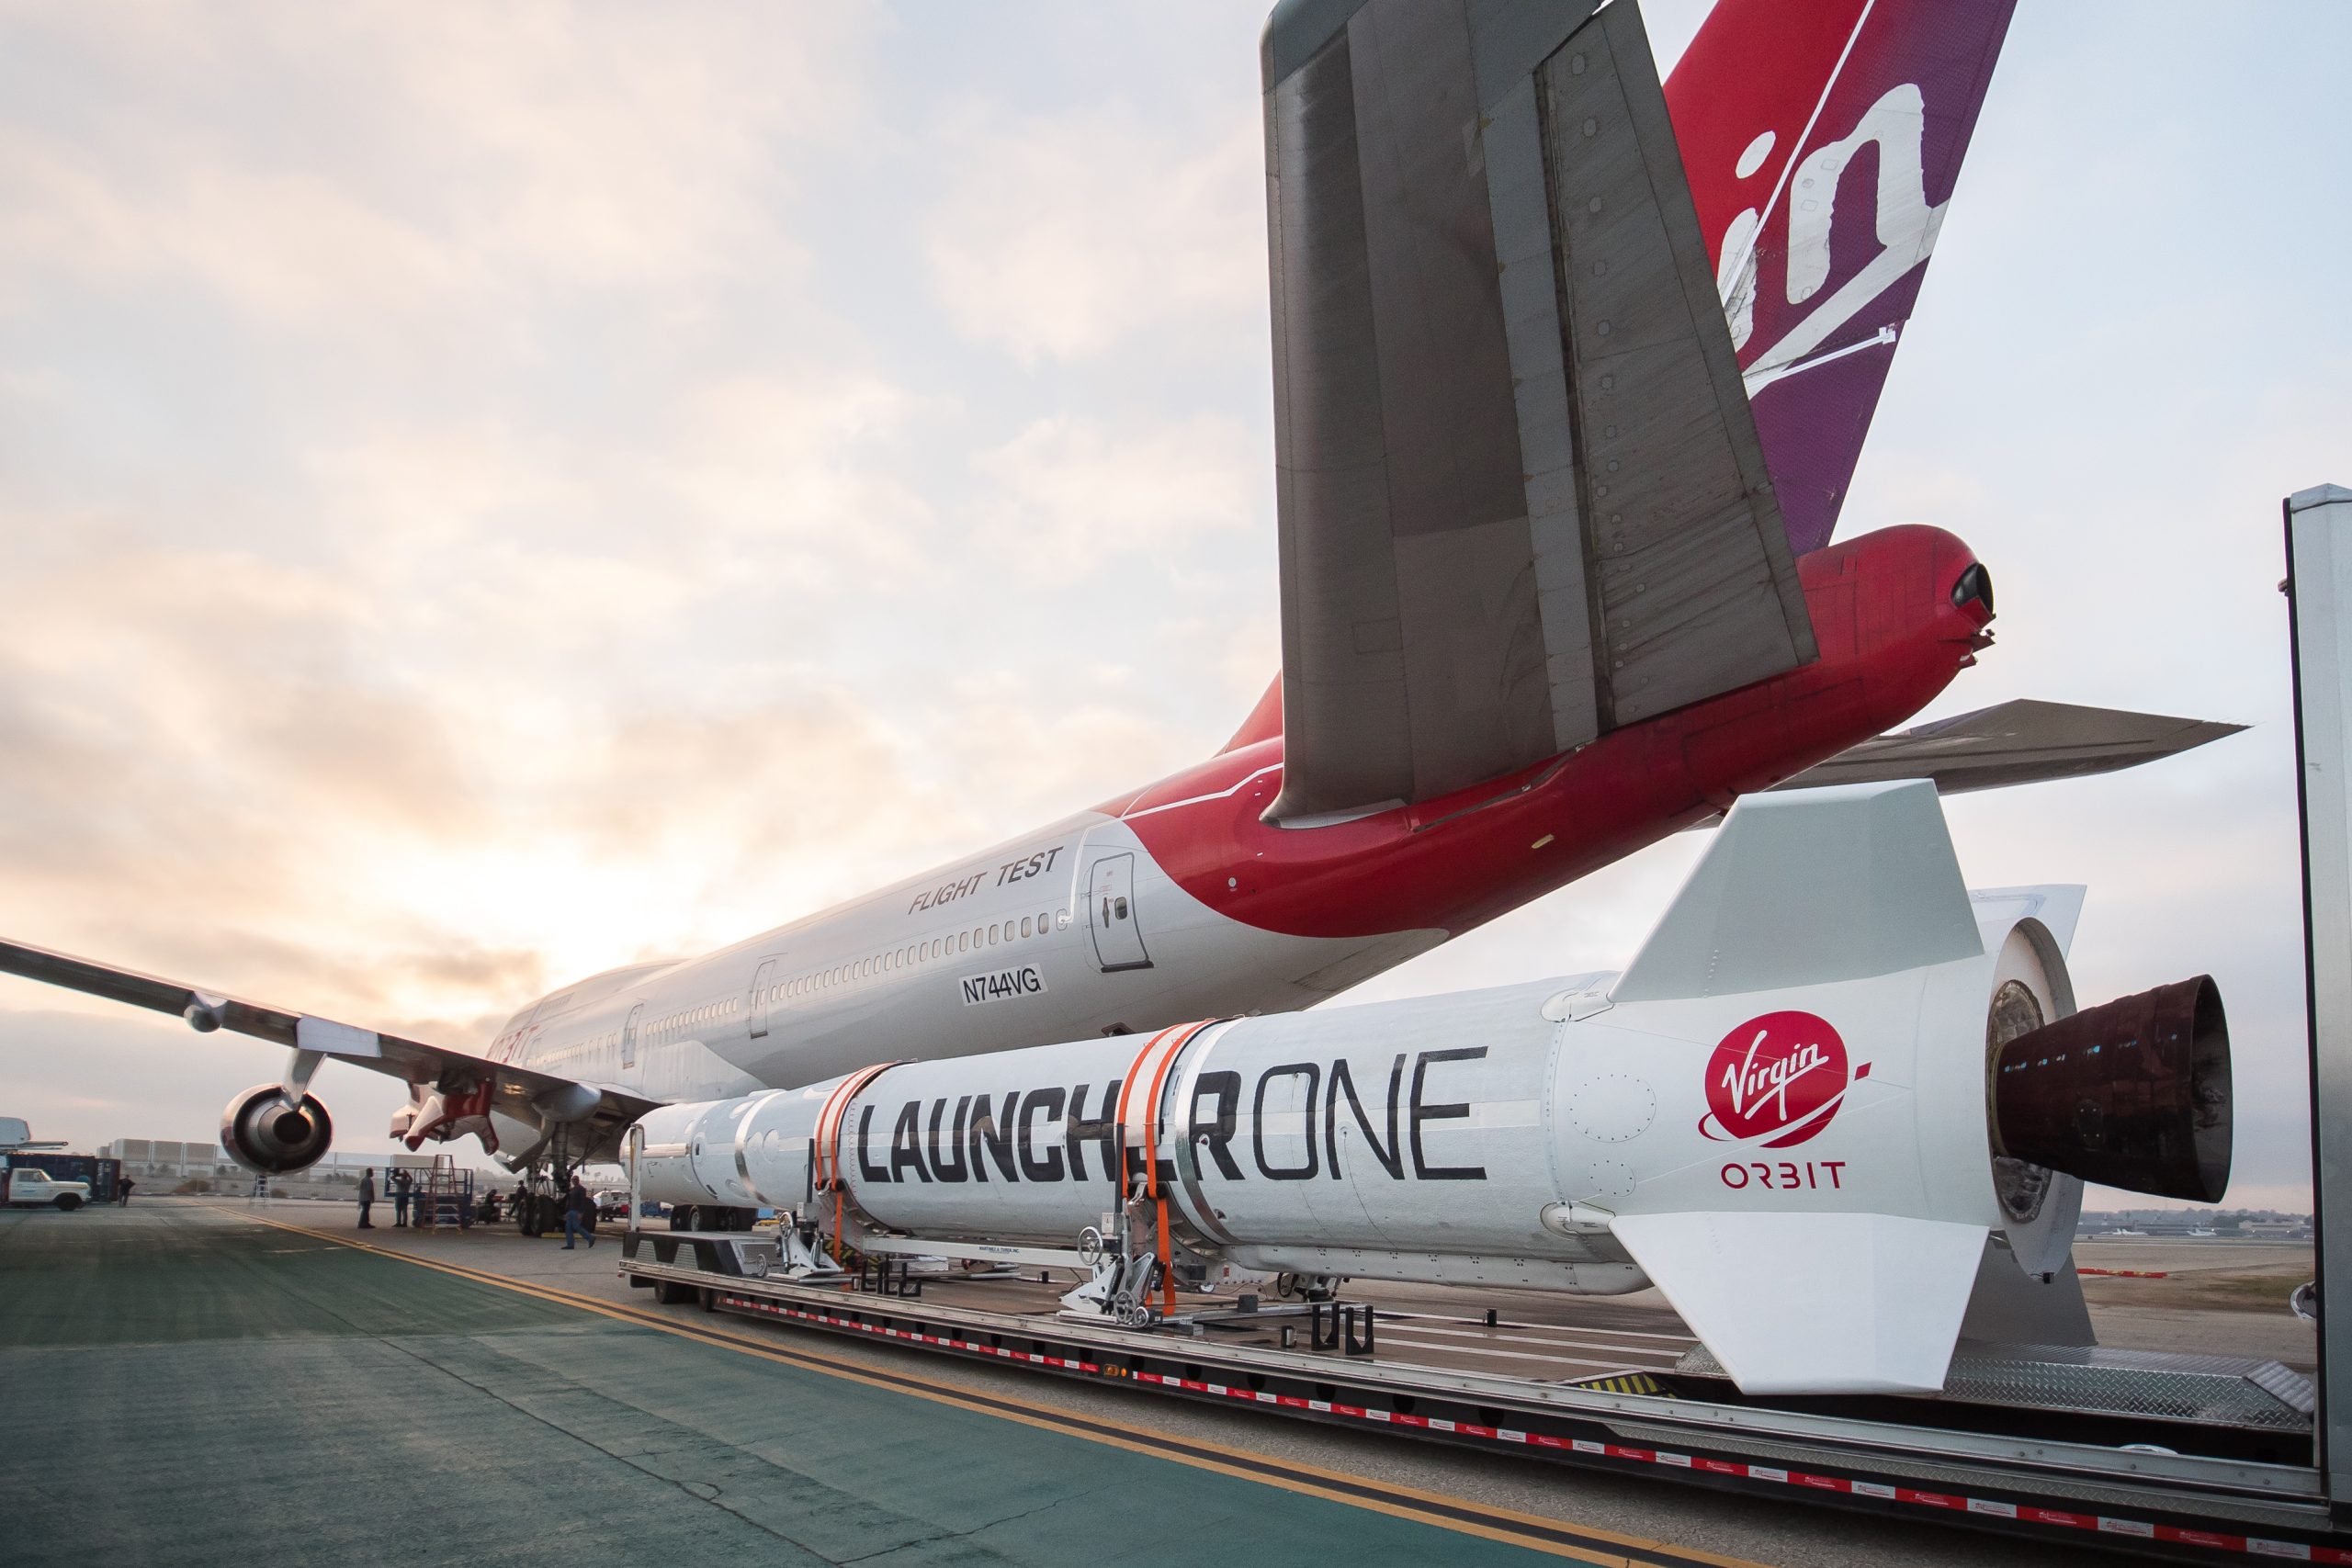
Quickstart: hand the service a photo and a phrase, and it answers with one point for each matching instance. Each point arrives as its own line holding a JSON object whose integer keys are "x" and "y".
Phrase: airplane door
{"x": 1111, "y": 911}
{"x": 756, "y": 1007}
{"x": 628, "y": 1036}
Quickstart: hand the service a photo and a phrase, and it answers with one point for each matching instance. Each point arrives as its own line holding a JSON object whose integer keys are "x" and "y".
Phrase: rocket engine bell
{"x": 2134, "y": 1094}
{"x": 1830, "y": 1079}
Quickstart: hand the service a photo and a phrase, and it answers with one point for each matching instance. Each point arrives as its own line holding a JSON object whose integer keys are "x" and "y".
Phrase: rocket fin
{"x": 1815, "y": 1303}
{"x": 1811, "y": 887}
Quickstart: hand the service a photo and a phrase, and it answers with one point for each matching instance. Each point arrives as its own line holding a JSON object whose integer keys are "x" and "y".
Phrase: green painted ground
{"x": 184, "y": 1387}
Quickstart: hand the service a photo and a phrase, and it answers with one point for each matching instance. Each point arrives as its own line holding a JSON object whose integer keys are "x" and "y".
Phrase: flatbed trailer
{"x": 2189, "y": 1458}
{"x": 2209, "y": 1500}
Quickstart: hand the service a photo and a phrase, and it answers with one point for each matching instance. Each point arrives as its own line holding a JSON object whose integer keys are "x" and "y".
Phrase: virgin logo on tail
{"x": 1822, "y": 139}
{"x": 1904, "y": 227}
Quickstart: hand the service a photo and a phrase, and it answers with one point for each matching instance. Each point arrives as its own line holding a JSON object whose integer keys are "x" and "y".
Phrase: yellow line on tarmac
{"x": 1532, "y": 1531}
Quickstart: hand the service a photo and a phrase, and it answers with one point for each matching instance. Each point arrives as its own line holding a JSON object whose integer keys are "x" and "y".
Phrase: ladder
{"x": 445, "y": 1197}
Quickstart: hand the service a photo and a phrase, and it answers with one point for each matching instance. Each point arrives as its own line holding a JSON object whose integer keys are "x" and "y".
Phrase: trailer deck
{"x": 1577, "y": 1382}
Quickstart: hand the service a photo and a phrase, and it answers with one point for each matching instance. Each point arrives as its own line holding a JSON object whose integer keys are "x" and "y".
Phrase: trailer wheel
{"x": 673, "y": 1293}
{"x": 69, "y": 1201}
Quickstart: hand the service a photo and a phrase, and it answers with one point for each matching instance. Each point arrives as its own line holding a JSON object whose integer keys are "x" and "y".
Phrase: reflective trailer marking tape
{"x": 1771, "y": 1474}
{"x": 944, "y": 1341}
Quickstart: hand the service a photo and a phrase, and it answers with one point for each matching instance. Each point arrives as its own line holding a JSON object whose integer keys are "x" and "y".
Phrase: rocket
{"x": 1835, "y": 1097}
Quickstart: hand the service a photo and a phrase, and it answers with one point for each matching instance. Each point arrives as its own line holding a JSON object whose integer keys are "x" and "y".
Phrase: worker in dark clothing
{"x": 367, "y": 1197}
{"x": 578, "y": 1210}
{"x": 122, "y": 1192}
{"x": 400, "y": 1184}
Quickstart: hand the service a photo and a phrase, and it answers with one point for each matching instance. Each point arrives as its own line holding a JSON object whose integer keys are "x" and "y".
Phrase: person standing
{"x": 401, "y": 1182}
{"x": 577, "y": 1207}
{"x": 123, "y": 1187}
{"x": 366, "y": 1196}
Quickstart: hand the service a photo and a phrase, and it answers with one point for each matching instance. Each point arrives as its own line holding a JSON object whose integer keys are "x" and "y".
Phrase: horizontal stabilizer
{"x": 1815, "y": 1303}
{"x": 1518, "y": 494}
{"x": 2025, "y": 742}
{"x": 1811, "y": 888}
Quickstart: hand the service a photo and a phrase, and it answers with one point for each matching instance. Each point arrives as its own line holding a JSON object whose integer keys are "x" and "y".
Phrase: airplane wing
{"x": 1519, "y": 493}
{"x": 520, "y": 1092}
{"x": 2018, "y": 742}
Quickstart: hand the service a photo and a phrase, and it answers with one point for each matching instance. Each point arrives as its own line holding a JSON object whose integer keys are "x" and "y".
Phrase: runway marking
{"x": 1585, "y": 1543}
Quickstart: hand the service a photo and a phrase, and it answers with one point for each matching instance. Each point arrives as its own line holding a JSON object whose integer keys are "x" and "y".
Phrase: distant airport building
{"x": 2229, "y": 1224}
{"x": 163, "y": 1165}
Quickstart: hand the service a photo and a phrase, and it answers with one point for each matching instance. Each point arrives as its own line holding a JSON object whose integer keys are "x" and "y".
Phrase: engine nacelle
{"x": 268, "y": 1138}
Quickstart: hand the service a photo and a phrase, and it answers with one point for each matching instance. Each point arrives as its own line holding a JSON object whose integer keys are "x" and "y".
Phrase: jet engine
{"x": 269, "y": 1137}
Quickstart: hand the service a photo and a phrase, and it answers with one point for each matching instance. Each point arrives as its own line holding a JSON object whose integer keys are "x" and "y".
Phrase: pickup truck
{"x": 28, "y": 1187}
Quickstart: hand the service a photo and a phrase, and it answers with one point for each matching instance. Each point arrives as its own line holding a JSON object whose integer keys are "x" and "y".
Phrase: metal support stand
{"x": 879, "y": 1274}
{"x": 1331, "y": 1326}
{"x": 636, "y": 1201}
{"x": 2319, "y": 595}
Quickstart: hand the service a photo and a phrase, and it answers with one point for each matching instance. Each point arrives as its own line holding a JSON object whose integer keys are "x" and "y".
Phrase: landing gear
{"x": 535, "y": 1213}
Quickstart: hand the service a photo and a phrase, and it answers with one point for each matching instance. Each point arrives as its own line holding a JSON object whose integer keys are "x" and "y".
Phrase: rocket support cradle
{"x": 1787, "y": 1113}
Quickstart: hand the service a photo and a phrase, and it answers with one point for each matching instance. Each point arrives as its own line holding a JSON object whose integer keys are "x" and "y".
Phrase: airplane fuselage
{"x": 1178, "y": 901}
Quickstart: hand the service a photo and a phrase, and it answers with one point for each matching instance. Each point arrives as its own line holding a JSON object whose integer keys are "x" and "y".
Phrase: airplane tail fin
{"x": 1822, "y": 139}
{"x": 1265, "y": 720}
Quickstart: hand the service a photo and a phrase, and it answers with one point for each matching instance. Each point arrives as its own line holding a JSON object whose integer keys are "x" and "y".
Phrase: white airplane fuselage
{"x": 979, "y": 956}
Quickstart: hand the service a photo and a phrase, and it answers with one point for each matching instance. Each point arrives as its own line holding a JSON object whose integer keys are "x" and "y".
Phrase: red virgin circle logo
{"x": 1778, "y": 1078}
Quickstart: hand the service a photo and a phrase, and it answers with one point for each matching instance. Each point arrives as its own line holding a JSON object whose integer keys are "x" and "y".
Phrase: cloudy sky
{"x": 487, "y": 493}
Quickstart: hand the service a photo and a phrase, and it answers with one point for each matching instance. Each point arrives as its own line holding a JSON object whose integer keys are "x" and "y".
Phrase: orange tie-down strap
{"x": 1183, "y": 1034}
{"x": 825, "y": 1148}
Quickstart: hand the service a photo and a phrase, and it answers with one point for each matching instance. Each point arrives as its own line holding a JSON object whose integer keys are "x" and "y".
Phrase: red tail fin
{"x": 1265, "y": 720}
{"x": 1822, "y": 139}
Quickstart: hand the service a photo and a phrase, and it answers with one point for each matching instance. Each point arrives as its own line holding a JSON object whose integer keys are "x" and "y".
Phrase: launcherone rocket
{"x": 1835, "y": 1097}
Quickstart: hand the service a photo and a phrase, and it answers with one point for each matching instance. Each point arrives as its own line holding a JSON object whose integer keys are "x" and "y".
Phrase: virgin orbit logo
{"x": 1778, "y": 1079}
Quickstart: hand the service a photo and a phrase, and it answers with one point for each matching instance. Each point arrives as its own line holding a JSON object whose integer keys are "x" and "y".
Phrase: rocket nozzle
{"x": 2133, "y": 1094}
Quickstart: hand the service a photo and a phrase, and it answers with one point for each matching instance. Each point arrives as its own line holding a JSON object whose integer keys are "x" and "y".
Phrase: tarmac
{"x": 201, "y": 1382}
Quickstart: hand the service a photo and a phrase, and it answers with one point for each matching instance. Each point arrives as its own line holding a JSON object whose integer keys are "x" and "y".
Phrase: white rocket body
{"x": 1777, "y": 1113}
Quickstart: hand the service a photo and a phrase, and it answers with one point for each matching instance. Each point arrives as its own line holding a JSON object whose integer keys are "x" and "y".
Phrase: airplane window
{"x": 1024, "y": 925}
{"x": 1044, "y": 922}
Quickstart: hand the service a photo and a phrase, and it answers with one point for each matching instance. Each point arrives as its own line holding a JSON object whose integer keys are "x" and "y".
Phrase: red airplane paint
{"x": 1891, "y": 634}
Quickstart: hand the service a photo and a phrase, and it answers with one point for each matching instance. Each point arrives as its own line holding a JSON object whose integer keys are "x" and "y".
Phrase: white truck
{"x": 26, "y": 1187}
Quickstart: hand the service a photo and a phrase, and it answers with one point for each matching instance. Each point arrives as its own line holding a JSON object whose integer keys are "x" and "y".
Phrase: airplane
{"x": 1572, "y": 367}
{"x": 16, "y": 1137}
